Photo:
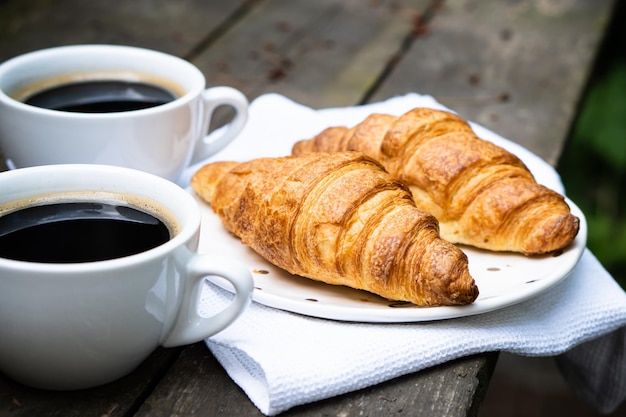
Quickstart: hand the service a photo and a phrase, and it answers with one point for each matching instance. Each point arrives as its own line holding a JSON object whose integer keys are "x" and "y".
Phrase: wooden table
{"x": 517, "y": 67}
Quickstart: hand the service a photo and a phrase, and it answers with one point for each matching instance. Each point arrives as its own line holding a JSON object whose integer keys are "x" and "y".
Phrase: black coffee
{"x": 78, "y": 232}
{"x": 101, "y": 96}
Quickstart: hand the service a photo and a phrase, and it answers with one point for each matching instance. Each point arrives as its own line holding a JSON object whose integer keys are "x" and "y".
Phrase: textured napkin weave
{"x": 282, "y": 359}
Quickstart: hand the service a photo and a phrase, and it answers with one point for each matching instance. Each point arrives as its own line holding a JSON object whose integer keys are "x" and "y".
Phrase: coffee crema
{"x": 59, "y": 230}
{"x": 100, "y": 92}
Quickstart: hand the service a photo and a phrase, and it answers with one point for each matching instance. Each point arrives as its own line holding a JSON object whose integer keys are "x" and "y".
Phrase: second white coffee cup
{"x": 161, "y": 140}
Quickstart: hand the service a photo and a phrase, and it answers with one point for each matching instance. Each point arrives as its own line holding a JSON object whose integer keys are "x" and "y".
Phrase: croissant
{"x": 341, "y": 219}
{"x": 482, "y": 195}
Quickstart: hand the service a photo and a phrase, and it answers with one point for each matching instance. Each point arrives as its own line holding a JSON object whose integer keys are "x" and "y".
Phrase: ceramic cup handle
{"x": 214, "y": 97}
{"x": 190, "y": 327}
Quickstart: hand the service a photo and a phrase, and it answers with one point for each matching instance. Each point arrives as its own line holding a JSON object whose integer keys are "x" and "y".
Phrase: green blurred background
{"x": 593, "y": 164}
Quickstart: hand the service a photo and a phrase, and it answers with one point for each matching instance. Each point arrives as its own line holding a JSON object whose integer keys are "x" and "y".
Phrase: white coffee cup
{"x": 76, "y": 325}
{"x": 162, "y": 140}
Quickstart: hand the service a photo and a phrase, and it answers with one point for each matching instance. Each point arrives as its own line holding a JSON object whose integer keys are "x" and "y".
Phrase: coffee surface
{"x": 78, "y": 232}
{"x": 101, "y": 96}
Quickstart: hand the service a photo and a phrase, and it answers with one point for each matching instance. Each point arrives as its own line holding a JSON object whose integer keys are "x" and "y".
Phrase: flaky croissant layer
{"x": 338, "y": 218}
{"x": 481, "y": 194}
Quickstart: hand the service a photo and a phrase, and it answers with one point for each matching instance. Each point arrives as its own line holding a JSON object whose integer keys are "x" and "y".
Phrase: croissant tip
{"x": 204, "y": 180}
{"x": 469, "y": 293}
{"x": 299, "y": 148}
{"x": 454, "y": 285}
{"x": 555, "y": 233}
{"x": 463, "y": 296}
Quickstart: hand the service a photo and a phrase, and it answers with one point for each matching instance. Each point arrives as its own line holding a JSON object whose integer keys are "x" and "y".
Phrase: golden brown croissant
{"x": 338, "y": 218}
{"x": 482, "y": 195}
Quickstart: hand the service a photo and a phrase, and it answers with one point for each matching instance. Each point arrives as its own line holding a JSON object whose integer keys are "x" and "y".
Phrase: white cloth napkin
{"x": 283, "y": 359}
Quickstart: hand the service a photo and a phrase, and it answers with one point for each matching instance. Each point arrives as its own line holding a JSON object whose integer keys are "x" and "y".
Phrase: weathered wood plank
{"x": 322, "y": 53}
{"x": 175, "y": 27}
{"x": 197, "y": 385}
{"x": 518, "y": 68}
{"x": 117, "y": 399}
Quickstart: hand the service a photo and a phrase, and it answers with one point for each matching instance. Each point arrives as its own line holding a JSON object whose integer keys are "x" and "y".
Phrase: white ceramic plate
{"x": 503, "y": 279}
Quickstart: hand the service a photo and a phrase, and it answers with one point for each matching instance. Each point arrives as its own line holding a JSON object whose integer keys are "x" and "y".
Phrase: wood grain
{"x": 323, "y": 53}
{"x": 117, "y": 399}
{"x": 175, "y": 27}
{"x": 518, "y": 68}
